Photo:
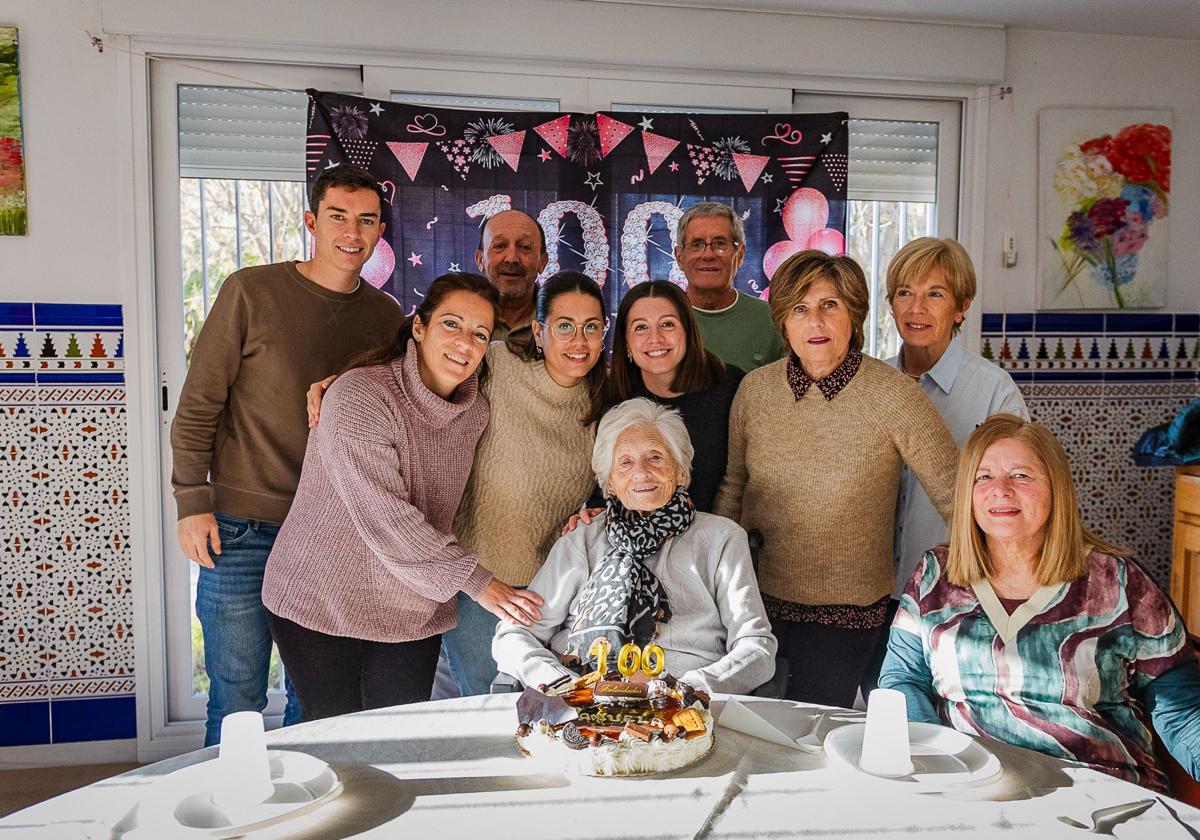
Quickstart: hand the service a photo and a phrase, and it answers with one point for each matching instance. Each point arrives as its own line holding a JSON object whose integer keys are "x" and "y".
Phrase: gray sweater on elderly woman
{"x": 718, "y": 638}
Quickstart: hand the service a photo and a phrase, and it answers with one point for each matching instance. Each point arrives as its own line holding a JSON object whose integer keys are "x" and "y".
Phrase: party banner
{"x": 607, "y": 188}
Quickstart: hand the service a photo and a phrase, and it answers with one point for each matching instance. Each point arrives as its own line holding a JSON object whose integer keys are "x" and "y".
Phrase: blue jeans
{"x": 237, "y": 642}
{"x": 468, "y": 648}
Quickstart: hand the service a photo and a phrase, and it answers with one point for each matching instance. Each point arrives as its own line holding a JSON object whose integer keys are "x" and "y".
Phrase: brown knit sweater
{"x": 819, "y": 478}
{"x": 240, "y": 429}
{"x": 532, "y": 468}
{"x": 366, "y": 550}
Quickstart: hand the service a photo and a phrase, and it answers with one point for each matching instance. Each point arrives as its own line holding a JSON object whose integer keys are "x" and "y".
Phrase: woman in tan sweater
{"x": 816, "y": 445}
{"x": 533, "y": 464}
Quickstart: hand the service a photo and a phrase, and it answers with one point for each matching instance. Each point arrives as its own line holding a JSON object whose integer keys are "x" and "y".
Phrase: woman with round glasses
{"x": 533, "y": 464}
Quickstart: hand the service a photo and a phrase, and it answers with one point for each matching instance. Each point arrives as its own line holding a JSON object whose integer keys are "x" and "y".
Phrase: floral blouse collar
{"x": 831, "y": 385}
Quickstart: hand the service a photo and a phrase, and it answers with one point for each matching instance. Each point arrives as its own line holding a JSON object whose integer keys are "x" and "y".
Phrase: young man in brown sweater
{"x": 240, "y": 430}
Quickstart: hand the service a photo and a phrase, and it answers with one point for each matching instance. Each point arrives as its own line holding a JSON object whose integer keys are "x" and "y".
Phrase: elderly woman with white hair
{"x": 649, "y": 568}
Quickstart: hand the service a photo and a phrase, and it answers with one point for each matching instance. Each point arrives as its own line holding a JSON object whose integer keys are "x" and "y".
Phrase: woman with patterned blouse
{"x": 1029, "y": 629}
{"x": 816, "y": 445}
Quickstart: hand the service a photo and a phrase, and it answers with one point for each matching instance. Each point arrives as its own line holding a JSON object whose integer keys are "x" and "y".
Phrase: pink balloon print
{"x": 779, "y": 252}
{"x": 378, "y": 269}
{"x": 828, "y": 240}
{"x": 805, "y": 214}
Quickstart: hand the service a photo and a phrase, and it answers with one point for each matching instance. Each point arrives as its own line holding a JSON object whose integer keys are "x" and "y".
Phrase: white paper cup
{"x": 885, "y": 747}
{"x": 244, "y": 768}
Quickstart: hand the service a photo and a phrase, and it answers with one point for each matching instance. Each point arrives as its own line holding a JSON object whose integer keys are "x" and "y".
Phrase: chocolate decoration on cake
{"x": 573, "y": 738}
{"x": 533, "y": 706}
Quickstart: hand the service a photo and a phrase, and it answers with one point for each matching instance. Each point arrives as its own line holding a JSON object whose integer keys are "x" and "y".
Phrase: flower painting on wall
{"x": 1105, "y": 195}
{"x": 12, "y": 159}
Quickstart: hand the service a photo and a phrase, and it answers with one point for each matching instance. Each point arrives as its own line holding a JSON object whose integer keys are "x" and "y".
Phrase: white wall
{"x": 1055, "y": 69}
{"x": 68, "y": 93}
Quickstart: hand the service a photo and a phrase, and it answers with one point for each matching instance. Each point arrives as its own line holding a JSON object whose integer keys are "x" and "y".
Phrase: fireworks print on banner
{"x": 314, "y": 147}
{"x": 555, "y": 133}
{"x": 658, "y": 149}
{"x": 835, "y": 165}
{"x": 349, "y": 122}
{"x": 485, "y": 154}
{"x": 583, "y": 142}
{"x": 458, "y": 152}
{"x": 724, "y": 149}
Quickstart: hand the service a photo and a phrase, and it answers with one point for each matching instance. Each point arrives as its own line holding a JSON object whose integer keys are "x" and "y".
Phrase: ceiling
{"x": 1162, "y": 18}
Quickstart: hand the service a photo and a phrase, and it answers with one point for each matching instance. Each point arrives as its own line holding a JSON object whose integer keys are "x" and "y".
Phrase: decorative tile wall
{"x": 1098, "y": 381}
{"x": 66, "y": 608}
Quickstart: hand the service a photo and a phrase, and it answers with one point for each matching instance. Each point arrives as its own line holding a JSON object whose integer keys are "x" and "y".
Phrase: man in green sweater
{"x": 240, "y": 430}
{"x": 711, "y": 244}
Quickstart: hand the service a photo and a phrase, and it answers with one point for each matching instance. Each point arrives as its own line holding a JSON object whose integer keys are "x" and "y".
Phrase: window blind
{"x": 891, "y": 160}
{"x": 242, "y": 133}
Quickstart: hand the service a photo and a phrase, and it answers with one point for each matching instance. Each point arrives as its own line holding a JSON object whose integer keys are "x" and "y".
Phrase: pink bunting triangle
{"x": 410, "y": 156}
{"x": 508, "y": 146}
{"x": 555, "y": 133}
{"x": 750, "y": 167}
{"x": 612, "y": 132}
{"x": 658, "y": 149}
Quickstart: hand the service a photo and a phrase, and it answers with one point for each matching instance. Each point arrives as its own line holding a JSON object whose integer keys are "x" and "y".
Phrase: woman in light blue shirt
{"x": 930, "y": 286}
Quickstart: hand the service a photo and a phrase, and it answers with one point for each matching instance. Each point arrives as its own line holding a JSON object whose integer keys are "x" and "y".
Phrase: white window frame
{"x": 177, "y": 713}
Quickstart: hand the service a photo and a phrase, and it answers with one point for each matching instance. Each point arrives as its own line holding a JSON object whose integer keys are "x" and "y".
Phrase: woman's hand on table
{"x": 584, "y": 517}
{"x": 313, "y": 397}
{"x": 518, "y": 606}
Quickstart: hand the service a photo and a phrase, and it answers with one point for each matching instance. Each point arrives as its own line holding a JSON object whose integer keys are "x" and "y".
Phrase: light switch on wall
{"x": 1009, "y": 249}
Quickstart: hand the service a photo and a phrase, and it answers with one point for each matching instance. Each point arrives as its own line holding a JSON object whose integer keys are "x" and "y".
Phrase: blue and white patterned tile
{"x": 68, "y": 635}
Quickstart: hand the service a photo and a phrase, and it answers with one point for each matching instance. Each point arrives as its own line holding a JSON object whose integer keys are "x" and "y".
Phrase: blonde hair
{"x": 916, "y": 259}
{"x": 1067, "y": 543}
{"x": 796, "y": 275}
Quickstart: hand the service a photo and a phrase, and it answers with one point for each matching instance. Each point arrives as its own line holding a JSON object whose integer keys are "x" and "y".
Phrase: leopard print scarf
{"x": 622, "y": 599}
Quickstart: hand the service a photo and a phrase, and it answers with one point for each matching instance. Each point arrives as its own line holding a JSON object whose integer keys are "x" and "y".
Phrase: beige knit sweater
{"x": 532, "y": 468}
{"x": 819, "y": 478}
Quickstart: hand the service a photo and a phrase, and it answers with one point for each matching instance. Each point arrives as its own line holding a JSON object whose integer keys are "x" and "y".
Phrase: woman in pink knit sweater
{"x": 363, "y": 577}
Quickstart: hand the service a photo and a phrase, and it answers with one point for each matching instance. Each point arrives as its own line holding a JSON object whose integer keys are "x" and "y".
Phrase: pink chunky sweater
{"x": 366, "y": 550}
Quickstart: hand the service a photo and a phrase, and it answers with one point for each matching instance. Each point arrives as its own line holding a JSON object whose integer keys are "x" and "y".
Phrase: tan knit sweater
{"x": 532, "y": 468}
{"x": 819, "y": 478}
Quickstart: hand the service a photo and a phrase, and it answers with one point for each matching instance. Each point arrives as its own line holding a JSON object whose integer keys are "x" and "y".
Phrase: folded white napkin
{"x": 771, "y": 720}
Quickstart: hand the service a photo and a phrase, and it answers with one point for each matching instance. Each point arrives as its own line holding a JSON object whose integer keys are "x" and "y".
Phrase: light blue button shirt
{"x": 965, "y": 388}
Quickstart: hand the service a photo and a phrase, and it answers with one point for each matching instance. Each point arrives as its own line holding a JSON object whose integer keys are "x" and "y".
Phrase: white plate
{"x": 181, "y": 803}
{"x": 942, "y": 757}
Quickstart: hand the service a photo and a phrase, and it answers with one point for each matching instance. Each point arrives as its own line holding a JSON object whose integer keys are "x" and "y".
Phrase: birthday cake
{"x": 628, "y": 725}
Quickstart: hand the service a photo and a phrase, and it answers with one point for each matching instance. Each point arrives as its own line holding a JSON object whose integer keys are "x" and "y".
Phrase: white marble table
{"x": 450, "y": 769}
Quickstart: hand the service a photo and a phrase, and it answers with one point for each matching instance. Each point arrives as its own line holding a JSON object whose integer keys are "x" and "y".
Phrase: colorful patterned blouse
{"x": 1062, "y": 673}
